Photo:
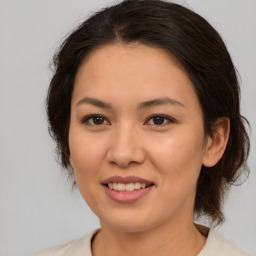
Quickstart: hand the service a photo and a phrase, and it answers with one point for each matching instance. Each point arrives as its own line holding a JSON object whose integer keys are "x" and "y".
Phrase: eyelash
{"x": 170, "y": 120}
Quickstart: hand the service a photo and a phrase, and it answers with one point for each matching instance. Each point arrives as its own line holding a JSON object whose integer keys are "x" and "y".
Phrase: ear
{"x": 217, "y": 142}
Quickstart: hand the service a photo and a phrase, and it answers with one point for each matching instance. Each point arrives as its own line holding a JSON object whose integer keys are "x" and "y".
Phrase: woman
{"x": 144, "y": 107}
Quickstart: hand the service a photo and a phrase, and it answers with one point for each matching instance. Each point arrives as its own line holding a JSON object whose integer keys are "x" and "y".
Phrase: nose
{"x": 125, "y": 148}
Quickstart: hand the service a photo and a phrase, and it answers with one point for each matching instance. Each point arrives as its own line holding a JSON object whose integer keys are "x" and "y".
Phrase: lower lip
{"x": 126, "y": 197}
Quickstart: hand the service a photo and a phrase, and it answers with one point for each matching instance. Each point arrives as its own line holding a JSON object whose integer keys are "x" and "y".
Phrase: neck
{"x": 168, "y": 239}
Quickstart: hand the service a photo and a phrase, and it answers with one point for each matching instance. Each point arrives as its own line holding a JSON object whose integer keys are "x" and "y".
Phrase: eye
{"x": 159, "y": 120}
{"x": 94, "y": 120}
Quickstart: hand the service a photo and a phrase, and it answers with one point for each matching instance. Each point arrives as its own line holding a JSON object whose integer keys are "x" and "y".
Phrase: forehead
{"x": 136, "y": 70}
{"x": 134, "y": 57}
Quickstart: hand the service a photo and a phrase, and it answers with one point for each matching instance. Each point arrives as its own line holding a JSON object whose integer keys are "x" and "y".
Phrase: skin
{"x": 128, "y": 142}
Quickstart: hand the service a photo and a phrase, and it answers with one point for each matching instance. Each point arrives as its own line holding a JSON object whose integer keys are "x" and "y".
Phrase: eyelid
{"x": 170, "y": 119}
{"x": 85, "y": 119}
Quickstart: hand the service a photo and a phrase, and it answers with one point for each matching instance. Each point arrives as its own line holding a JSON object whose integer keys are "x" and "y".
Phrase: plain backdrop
{"x": 38, "y": 209}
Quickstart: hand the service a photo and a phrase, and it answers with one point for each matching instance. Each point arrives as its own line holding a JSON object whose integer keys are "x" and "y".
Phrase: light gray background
{"x": 38, "y": 209}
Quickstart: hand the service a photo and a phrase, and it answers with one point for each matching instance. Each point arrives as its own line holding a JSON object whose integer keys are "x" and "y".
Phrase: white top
{"x": 215, "y": 245}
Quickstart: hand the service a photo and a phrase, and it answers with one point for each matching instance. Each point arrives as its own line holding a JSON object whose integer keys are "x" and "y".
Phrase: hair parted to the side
{"x": 200, "y": 51}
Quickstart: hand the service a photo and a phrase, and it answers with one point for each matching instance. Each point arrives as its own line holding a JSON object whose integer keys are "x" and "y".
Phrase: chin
{"x": 130, "y": 228}
{"x": 129, "y": 223}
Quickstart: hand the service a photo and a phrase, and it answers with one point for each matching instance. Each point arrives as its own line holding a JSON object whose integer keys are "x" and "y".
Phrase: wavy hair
{"x": 201, "y": 52}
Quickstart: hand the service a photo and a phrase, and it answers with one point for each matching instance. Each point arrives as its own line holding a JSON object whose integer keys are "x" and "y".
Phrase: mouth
{"x": 121, "y": 187}
{"x": 126, "y": 189}
{"x": 127, "y": 184}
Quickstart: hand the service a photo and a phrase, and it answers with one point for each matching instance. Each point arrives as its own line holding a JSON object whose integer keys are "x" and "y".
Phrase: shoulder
{"x": 216, "y": 245}
{"x": 76, "y": 247}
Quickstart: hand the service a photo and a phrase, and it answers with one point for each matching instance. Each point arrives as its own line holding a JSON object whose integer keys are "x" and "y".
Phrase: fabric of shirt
{"x": 215, "y": 245}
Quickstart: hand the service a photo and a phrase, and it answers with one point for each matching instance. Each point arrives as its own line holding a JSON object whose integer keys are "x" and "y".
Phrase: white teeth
{"x": 120, "y": 187}
{"x": 129, "y": 187}
{"x": 126, "y": 187}
{"x": 137, "y": 185}
{"x": 115, "y": 186}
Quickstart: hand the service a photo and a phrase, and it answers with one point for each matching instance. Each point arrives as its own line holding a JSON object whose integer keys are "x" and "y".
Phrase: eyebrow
{"x": 142, "y": 105}
{"x": 161, "y": 101}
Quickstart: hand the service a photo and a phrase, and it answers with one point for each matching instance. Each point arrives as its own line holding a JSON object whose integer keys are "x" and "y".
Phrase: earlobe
{"x": 216, "y": 144}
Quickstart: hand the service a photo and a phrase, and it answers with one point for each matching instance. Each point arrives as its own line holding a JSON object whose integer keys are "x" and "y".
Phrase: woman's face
{"x": 135, "y": 122}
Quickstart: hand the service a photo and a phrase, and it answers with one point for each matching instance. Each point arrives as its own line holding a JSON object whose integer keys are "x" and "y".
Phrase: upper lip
{"x": 126, "y": 180}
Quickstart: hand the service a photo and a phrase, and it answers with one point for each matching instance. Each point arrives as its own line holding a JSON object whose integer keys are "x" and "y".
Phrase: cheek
{"x": 86, "y": 153}
{"x": 178, "y": 162}
{"x": 178, "y": 158}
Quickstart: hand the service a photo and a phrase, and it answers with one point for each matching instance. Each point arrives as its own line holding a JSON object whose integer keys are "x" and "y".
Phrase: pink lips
{"x": 126, "y": 197}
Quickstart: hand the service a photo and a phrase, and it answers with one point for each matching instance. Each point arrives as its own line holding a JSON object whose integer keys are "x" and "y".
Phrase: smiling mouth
{"x": 127, "y": 184}
{"x": 129, "y": 187}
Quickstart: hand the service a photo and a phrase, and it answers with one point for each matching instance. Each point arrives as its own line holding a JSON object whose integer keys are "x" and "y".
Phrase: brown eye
{"x": 95, "y": 120}
{"x": 98, "y": 120}
{"x": 159, "y": 120}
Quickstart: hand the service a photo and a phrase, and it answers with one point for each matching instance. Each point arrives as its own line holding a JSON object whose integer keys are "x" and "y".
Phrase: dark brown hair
{"x": 200, "y": 51}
